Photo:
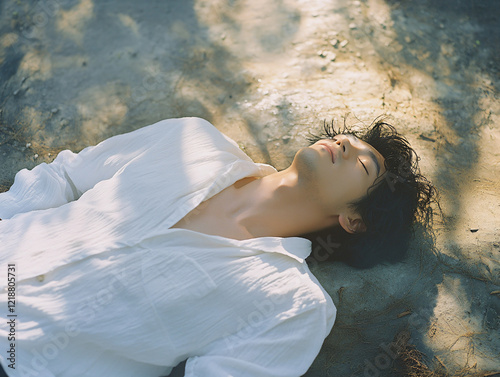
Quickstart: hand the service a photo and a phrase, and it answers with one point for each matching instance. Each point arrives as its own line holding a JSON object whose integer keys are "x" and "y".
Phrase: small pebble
{"x": 353, "y": 26}
{"x": 332, "y": 56}
{"x": 344, "y": 43}
{"x": 407, "y": 39}
{"x": 15, "y": 92}
{"x": 35, "y": 156}
{"x": 322, "y": 54}
{"x": 474, "y": 230}
{"x": 28, "y": 145}
{"x": 334, "y": 42}
{"x": 54, "y": 110}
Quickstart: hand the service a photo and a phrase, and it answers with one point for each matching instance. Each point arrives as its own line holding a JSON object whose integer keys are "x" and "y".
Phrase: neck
{"x": 277, "y": 205}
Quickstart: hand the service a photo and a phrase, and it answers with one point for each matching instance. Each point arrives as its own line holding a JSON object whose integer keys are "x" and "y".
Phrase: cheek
{"x": 352, "y": 185}
{"x": 339, "y": 184}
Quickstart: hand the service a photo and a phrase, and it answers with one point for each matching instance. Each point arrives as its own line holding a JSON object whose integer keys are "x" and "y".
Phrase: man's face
{"x": 340, "y": 169}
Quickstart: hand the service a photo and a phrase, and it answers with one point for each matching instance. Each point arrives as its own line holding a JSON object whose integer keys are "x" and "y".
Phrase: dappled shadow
{"x": 457, "y": 60}
{"x": 99, "y": 69}
{"x": 406, "y": 289}
{"x": 78, "y": 72}
{"x": 127, "y": 64}
{"x": 451, "y": 57}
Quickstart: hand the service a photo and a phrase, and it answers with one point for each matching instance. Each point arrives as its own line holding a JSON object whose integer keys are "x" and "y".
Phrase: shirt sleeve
{"x": 285, "y": 350}
{"x": 71, "y": 174}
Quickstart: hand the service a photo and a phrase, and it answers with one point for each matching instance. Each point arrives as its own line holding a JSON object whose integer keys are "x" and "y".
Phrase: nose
{"x": 345, "y": 146}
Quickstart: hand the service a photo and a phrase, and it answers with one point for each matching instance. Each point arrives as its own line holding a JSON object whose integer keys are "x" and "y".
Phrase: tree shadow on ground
{"x": 123, "y": 65}
{"x": 454, "y": 42}
{"x": 89, "y": 70}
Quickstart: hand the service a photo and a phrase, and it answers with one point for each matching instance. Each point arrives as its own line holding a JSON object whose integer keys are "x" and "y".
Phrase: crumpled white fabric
{"x": 106, "y": 288}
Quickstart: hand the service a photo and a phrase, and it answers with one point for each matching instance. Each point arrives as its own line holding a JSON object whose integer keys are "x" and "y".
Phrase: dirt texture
{"x": 74, "y": 72}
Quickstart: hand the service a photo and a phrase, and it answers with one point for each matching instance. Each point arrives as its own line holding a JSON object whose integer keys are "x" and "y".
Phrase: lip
{"x": 329, "y": 149}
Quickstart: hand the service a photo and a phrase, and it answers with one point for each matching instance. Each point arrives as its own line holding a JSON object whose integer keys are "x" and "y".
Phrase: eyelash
{"x": 364, "y": 167}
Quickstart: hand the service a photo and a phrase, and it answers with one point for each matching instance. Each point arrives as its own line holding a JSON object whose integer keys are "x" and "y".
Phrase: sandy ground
{"x": 74, "y": 72}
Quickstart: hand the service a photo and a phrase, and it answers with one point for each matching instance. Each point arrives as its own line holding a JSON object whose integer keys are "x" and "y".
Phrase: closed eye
{"x": 364, "y": 167}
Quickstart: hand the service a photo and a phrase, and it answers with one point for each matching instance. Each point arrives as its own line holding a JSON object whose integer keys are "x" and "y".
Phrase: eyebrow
{"x": 375, "y": 161}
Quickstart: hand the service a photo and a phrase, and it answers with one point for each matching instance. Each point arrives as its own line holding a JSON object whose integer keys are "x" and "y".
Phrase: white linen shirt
{"x": 105, "y": 286}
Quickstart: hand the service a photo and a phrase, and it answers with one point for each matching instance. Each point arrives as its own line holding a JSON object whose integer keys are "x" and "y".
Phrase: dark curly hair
{"x": 396, "y": 201}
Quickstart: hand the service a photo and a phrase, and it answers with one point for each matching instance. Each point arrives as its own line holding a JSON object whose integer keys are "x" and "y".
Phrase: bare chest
{"x": 211, "y": 216}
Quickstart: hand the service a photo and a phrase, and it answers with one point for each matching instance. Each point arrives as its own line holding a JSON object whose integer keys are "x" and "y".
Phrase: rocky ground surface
{"x": 265, "y": 72}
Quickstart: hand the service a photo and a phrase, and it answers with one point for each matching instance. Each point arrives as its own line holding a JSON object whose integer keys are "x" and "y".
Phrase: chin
{"x": 307, "y": 162}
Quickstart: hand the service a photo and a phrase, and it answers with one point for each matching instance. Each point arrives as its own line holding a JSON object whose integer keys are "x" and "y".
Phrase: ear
{"x": 352, "y": 223}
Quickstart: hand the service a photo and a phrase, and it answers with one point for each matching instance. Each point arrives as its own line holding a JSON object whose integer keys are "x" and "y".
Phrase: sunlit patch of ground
{"x": 72, "y": 22}
{"x": 266, "y": 72}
